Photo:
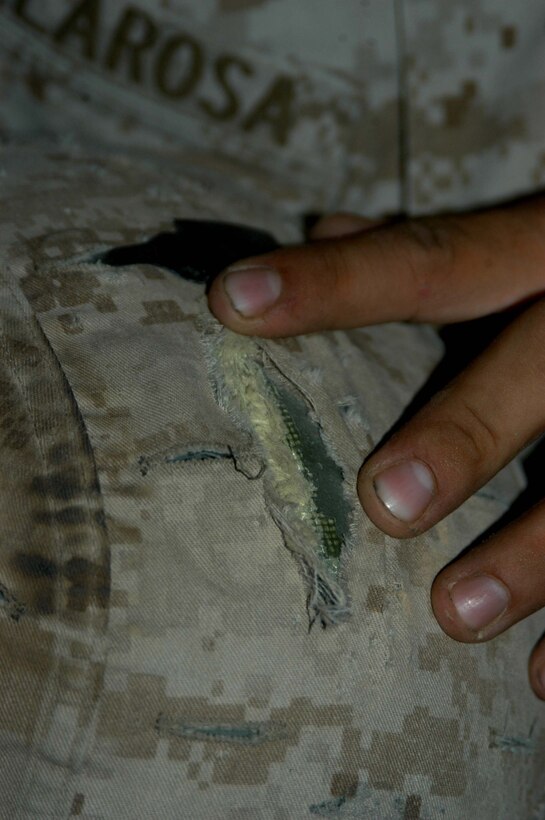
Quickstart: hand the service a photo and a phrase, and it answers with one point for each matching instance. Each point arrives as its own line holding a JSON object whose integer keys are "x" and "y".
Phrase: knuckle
{"x": 336, "y": 278}
{"x": 476, "y": 437}
{"x": 317, "y": 281}
{"x": 430, "y": 234}
{"x": 335, "y": 261}
{"x": 431, "y": 250}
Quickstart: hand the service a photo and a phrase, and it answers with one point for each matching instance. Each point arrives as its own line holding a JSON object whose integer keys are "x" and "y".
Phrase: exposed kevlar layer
{"x": 304, "y": 484}
{"x": 332, "y": 511}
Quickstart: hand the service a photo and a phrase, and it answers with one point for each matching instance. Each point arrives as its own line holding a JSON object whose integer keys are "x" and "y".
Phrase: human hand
{"x": 442, "y": 269}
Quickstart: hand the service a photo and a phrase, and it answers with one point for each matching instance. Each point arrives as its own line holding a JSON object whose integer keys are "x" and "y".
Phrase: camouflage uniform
{"x": 368, "y": 104}
{"x": 154, "y": 594}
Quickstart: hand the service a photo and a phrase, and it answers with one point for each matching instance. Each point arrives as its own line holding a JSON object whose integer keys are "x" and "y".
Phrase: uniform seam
{"x": 402, "y": 107}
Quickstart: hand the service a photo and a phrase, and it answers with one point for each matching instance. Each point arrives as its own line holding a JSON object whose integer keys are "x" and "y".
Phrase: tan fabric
{"x": 378, "y": 106}
{"x": 154, "y": 614}
{"x": 156, "y": 656}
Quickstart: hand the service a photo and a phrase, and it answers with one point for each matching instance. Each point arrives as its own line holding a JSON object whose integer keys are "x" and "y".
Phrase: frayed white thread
{"x": 236, "y": 365}
{"x": 314, "y": 375}
{"x": 327, "y": 601}
{"x": 351, "y": 412}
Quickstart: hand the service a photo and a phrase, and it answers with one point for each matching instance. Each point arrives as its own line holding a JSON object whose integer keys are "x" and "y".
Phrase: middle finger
{"x": 463, "y": 436}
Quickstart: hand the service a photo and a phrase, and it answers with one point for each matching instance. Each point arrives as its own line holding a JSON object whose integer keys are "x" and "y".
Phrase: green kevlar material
{"x": 331, "y": 515}
{"x": 303, "y": 483}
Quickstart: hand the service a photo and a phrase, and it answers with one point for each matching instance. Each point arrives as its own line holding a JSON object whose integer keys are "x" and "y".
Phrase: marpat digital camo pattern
{"x": 374, "y": 105}
{"x": 156, "y": 656}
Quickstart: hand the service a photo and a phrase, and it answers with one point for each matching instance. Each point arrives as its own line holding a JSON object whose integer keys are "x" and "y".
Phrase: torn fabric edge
{"x": 190, "y": 454}
{"x": 262, "y": 402}
{"x": 245, "y": 733}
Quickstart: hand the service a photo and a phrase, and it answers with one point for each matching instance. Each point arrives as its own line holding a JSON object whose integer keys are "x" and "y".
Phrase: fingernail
{"x": 405, "y": 489}
{"x": 479, "y": 600}
{"x": 251, "y": 290}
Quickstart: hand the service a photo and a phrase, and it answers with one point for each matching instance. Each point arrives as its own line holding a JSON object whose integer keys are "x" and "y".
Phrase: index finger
{"x": 440, "y": 269}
